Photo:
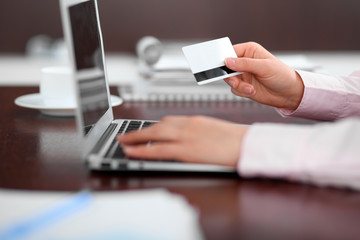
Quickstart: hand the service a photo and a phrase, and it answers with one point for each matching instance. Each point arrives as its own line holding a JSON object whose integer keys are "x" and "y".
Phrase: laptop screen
{"x": 90, "y": 74}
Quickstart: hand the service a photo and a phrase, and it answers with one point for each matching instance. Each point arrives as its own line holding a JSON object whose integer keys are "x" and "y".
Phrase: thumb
{"x": 249, "y": 65}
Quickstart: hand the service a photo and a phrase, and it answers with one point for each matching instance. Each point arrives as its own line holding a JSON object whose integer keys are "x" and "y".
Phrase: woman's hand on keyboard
{"x": 195, "y": 139}
{"x": 266, "y": 79}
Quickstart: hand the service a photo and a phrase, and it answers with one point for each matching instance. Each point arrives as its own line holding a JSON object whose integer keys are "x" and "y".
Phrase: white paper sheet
{"x": 147, "y": 214}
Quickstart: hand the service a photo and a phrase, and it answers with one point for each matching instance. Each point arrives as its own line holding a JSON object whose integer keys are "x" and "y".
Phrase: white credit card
{"x": 207, "y": 60}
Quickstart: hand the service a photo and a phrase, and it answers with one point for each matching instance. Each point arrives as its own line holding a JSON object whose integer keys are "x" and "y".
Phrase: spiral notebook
{"x": 172, "y": 90}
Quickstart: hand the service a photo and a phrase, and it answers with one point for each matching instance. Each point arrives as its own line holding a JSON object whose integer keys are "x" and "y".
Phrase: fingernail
{"x": 231, "y": 83}
{"x": 230, "y": 62}
{"x": 248, "y": 90}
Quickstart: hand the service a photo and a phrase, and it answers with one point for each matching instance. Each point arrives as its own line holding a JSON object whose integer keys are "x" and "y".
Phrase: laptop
{"x": 94, "y": 117}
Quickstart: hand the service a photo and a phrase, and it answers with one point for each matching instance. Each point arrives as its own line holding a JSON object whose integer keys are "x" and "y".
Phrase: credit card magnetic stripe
{"x": 212, "y": 73}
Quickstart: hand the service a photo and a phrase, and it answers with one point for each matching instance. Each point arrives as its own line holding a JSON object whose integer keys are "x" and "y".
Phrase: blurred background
{"x": 276, "y": 24}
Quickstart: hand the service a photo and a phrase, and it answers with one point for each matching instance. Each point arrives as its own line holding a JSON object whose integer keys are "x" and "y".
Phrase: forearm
{"x": 327, "y": 97}
{"x": 322, "y": 154}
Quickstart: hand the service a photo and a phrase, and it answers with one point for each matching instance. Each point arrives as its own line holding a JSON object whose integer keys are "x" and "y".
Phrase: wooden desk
{"x": 39, "y": 152}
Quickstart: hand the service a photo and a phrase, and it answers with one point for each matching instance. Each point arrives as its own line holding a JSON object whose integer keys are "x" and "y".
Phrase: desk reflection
{"x": 304, "y": 212}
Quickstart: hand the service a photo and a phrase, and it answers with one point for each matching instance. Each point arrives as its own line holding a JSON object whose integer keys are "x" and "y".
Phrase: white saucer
{"x": 34, "y": 101}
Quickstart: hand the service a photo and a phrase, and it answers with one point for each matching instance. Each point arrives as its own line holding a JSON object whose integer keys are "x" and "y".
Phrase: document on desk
{"x": 147, "y": 214}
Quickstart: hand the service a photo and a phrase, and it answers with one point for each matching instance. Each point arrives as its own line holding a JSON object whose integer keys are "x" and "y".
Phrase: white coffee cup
{"x": 57, "y": 87}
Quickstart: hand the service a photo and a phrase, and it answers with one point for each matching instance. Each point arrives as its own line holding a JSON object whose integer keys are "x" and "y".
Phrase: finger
{"x": 251, "y": 50}
{"x": 167, "y": 129}
{"x": 163, "y": 151}
{"x": 236, "y": 81}
{"x": 248, "y": 65}
{"x": 245, "y": 90}
{"x": 233, "y": 82}
{"x": 153, "y": 133}
{"x": 247, "y": 77}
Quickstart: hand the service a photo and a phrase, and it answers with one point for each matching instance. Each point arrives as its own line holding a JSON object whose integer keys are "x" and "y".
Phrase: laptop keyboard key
{"x": 133, "y": 125}
{"x": 119, "y": 152}
{"x": 116, "y": 151}
{"x": 147, "y": 124}
{"x": 122, "y": 127}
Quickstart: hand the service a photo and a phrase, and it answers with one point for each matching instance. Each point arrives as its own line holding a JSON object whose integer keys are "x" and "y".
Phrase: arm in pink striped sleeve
{"x": 325, "y": 154}
{"x": 327, "y": 97}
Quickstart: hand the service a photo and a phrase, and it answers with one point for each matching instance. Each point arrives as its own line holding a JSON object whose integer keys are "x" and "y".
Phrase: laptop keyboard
{"x": 116, "y": 151}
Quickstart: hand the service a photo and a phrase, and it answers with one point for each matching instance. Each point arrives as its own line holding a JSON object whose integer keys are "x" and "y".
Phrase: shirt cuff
{"x": 272, "y": 150}
{"x": 322, "y": 99}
